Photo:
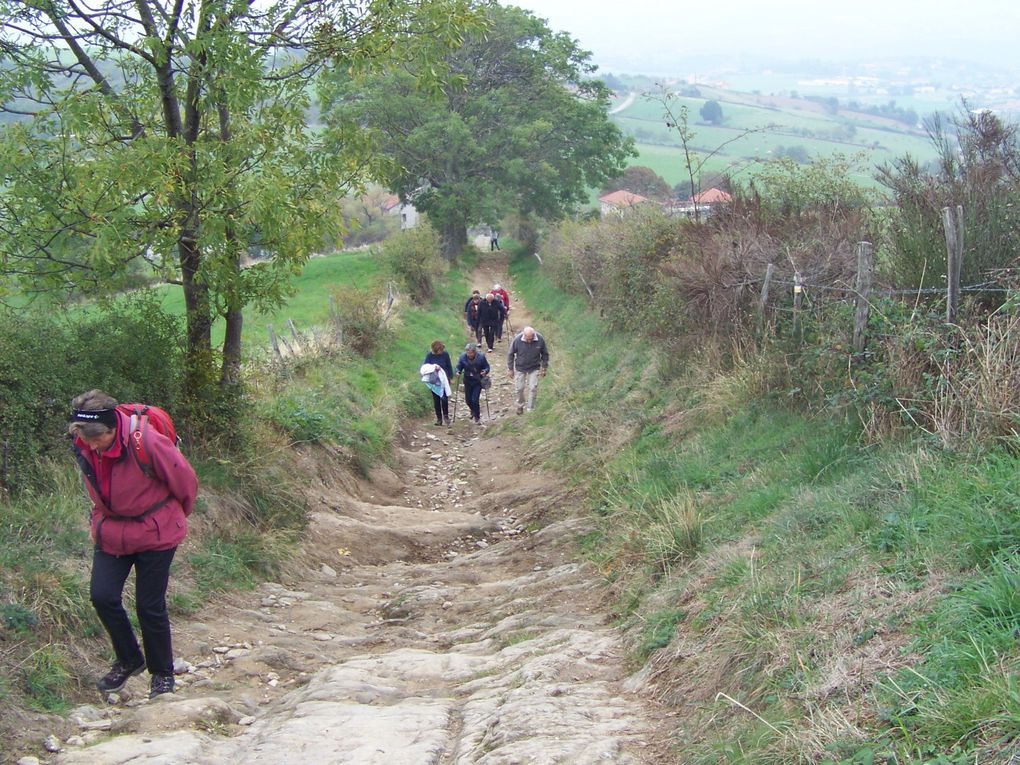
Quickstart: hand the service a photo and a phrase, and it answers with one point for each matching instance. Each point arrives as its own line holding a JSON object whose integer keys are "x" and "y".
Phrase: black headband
{"x": 107, "y": 417}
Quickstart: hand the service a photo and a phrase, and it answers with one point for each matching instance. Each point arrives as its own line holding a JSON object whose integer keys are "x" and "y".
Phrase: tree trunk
{"x": 454, "y": 239}
{"x": 230, "y": 374}
{"x": 198, "y": 366}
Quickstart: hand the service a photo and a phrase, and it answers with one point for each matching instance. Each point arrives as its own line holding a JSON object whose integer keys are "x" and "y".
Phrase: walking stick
{"x": 509, "y": 324}
{"x": 488, "y": 416}
{"x": 456, "y": 385}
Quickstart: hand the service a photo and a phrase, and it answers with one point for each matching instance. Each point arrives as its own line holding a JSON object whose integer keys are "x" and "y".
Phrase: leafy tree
{"x": 516, "y": 125}
{"x": 711, "y": 112}
{"x": 639, "y": 180}
{"x": 173, "y": 132}
{"x": 825, "y": 186}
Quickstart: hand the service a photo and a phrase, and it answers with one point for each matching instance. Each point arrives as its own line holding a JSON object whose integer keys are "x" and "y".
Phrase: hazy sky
{"x": 986, "y": 31}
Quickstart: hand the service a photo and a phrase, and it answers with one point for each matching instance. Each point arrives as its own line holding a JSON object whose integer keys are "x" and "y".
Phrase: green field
{"x": 309, "y": 306}
{"x": 753, "y": 133}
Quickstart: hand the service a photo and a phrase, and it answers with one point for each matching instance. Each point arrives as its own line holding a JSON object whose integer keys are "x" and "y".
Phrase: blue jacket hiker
{"x": 475, "y": 368}
{"x": 441, "y": 391}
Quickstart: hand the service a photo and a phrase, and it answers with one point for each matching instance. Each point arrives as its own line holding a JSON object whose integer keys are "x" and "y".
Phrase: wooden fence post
{"x": 763, "y": 301}
{"x": 584, "y": 283}
{"x": 390, "y": 298}
{"x": 865, "y": 270}
{"x": 798, "y": 299}
{"x": 953, "y": 228}
{"x": 294, "y": 334}
{"x": 272, "y": 341}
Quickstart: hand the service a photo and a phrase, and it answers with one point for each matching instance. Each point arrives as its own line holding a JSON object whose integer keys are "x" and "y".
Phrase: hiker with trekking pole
{"x": 475, "y": 369}
{"x": 527, "y": 360}
{"x": 142, "y": 491}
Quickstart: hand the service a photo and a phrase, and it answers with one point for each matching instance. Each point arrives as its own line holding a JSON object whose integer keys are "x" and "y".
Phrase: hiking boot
{"x": 520, "y": 409}
{"x": 446, "y": 421}
{"x": 118, "y": 675}
{"x": 161, "y": 684}
{"x": 438, "y": 422}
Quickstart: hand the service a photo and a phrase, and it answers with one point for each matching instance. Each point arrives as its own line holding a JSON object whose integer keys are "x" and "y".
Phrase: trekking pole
{"x": 456, "y": 386}
{"x": 509, "y": 324}
{"x": 488, "y": 415}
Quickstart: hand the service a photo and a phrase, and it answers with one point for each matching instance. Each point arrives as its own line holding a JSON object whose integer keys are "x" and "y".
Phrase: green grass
{"x": 792, "y": 550}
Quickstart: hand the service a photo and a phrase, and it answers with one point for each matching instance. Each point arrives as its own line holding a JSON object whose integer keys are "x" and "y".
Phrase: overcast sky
{"x": 986, "y": 31}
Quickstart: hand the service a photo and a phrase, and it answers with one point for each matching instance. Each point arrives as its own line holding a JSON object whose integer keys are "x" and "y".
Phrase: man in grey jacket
{"x": 527, "y": 360}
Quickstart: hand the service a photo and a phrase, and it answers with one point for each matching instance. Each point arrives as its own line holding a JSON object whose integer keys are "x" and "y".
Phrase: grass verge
{"x": 799, "y": 594}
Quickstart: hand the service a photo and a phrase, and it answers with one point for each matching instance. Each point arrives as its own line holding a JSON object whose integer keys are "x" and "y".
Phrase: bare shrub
{"x": 360, "y": 316}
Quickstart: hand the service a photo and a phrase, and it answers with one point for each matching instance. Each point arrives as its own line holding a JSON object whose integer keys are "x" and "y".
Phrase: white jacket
{"x": 427, "y": 369}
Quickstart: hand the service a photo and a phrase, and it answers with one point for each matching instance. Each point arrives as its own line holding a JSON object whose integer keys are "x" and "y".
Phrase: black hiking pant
{"x": 152, "y": 574}
{"x": 442, "y": 406}
{"x": 473, "y": 394}
{"x": 490, "y": 334}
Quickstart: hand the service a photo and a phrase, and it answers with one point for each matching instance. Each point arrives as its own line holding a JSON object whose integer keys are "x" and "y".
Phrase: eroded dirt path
{"x": 438, "y": 615}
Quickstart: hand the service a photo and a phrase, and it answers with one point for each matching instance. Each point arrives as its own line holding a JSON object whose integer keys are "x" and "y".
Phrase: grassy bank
{"x": 797, "y": 594}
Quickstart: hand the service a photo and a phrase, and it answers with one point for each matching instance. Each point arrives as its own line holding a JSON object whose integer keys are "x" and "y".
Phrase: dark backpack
{"x": 142, "y": 417}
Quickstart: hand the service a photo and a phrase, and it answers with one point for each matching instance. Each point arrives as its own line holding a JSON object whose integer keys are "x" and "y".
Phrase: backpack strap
{"x": 137, "y": 434}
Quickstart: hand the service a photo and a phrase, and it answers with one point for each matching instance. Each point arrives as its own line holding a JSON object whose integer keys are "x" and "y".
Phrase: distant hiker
{"x": 493, "y": 240}
{"x": 490, "y": 316}
{"x": 503, "y": 297}
{"x": 475, "y": 368}
{"x": 471, "y": 315}
{"x": 527, "y": 360}
{"x": 438, "y": 359}
{"x": 140, "y": 512}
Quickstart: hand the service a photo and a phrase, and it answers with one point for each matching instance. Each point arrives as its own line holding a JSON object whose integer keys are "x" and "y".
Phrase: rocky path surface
{"x": 438, "y": 616}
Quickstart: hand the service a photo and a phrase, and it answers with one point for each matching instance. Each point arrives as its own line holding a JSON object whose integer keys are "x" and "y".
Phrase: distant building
{"x": 391, "y": 205}
{"x": 618, "y": 202}
{"x": 705, "y": 203}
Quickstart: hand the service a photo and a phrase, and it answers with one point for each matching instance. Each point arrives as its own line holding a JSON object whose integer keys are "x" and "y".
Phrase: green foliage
{"x": 190, "y": 152}
{"x": 515, "y": 124}
{"x": 130, "y": 349}
{"x": 711, "y": 112}
{"x": 785, "y": 188}
{"x": 413, "y": 256}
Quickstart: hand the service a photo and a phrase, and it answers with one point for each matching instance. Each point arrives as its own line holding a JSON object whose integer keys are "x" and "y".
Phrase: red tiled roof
{"x": 622, "y": 198}
{"x": 711, "y": 197}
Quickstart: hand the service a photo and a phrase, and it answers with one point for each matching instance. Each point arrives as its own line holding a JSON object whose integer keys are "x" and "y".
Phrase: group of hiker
{"x": 527, "y": 358}
{"x": 486, "y": 316}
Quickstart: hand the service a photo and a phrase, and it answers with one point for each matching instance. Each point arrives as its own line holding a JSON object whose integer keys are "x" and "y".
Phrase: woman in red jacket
{"x": 139, "y": 516}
